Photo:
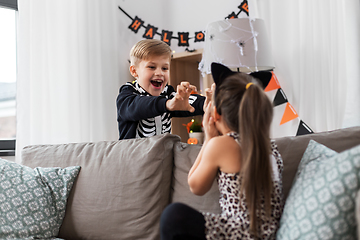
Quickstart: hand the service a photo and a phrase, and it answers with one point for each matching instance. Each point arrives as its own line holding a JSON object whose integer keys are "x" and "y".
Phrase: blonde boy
{"x": 145, "y": 106}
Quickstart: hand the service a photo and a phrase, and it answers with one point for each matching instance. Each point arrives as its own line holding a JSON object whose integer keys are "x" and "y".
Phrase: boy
{"x": 145, "y": 106}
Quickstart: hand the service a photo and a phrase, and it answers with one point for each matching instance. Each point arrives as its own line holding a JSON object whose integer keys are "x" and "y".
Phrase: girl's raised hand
{"x": 209, "y": 123}
{"x": 208, "y": 93}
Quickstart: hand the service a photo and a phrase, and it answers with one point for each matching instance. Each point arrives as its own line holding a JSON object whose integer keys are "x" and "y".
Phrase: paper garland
{"x": 182, "y": 37}
{"x": 286, "y": 121}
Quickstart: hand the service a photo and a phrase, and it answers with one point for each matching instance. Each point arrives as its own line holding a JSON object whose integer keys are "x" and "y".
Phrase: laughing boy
{"x": 146, "y": 105}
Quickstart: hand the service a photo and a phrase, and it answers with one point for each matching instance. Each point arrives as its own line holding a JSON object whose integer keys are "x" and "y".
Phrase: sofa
{"x": 123, "y": 186}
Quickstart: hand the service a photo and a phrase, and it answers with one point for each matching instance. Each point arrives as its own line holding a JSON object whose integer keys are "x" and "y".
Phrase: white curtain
{"x": 316, "y": 49}
{"x": 68, "y": 76}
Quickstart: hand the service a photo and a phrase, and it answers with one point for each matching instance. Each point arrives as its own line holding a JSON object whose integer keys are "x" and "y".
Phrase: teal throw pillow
{"x": 33, "y": 201}
{"x": 321, "y": 202}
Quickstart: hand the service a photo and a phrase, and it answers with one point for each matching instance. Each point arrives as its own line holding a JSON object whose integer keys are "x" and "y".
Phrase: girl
{"x": 238, "y": 153}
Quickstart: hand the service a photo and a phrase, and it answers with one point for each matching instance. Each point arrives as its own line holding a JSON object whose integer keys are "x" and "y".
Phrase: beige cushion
{"x": 121, "y": 190}
{"x": 293, "y": 148}
{"x": 184, "y": 157}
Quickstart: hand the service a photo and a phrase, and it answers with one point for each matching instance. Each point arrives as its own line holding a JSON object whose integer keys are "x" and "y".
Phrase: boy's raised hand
{"x": 180, "y": 102}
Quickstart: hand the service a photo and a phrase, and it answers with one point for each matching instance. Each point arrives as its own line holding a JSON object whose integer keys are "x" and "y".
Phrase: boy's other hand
{"x": 185, "y": 89}
{"x": 180, "y": 102}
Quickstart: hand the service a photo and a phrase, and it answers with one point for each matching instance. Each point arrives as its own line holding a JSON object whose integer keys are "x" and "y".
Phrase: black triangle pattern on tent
{"x": 280, "y": 98}
{"x": 303, "y": 129}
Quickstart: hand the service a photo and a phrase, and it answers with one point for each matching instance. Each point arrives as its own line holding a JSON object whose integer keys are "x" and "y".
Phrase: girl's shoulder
{"x": 220, "y": 145}
{"x": 223, "y": 140}
{"x": 226, "y": 152}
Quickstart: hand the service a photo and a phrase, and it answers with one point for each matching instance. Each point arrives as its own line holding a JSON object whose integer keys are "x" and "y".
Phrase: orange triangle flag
{"x": 289, "y": 114}
{"x": 273, "y": 84}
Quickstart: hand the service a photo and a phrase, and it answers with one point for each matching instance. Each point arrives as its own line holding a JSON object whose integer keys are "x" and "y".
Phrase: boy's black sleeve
{"x": 134, "y": 107}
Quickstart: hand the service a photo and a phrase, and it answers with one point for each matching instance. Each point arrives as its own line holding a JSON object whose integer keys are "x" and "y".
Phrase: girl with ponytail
{"x": 239, "y": 154}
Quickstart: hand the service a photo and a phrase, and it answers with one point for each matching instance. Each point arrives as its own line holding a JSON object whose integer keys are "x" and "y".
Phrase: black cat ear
{"x": 263, "y": 76}
{"x": 220, "y": 72}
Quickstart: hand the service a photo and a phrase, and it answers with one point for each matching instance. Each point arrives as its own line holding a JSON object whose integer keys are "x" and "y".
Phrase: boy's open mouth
{"x": 156, "y": 83}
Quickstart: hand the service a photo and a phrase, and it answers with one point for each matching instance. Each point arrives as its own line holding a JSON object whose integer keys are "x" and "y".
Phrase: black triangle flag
{"x": 280, "y": 98}
{"x": 303, "y": 129}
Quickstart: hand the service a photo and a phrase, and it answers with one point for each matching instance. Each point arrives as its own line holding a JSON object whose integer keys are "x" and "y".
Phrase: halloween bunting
{"x": 182, "y": 37}
{"x": 286, "y": 121}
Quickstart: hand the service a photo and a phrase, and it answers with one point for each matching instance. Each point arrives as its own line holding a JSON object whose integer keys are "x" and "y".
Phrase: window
{"x": 7, "y": 77}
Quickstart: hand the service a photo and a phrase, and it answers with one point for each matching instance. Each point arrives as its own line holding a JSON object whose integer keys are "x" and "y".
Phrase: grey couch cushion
{"x": 293, "y": 148}
{"x": 184, "y": 157}
{"x": 121, "y": 190}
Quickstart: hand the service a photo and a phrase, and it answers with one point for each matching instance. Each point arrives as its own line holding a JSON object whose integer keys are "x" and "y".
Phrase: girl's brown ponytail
{"x": 255, "y": 115}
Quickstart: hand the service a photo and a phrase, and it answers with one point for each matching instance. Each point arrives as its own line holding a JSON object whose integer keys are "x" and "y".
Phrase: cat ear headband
{"x": 219, "y": 72}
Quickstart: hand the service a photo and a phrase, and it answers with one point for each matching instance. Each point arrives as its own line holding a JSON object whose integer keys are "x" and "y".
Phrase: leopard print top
{"x": 233, "y": 222}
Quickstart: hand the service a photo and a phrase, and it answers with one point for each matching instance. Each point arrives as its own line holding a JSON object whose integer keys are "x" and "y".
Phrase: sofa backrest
{"x": 121, "y": 190}
{"x": 293, "y": 148}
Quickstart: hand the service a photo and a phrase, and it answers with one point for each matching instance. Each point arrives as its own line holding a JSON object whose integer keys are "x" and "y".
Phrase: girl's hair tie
{"x": 248, "y": 85}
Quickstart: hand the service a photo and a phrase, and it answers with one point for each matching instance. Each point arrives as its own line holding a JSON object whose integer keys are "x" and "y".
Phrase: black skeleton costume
{"x": 141, "y": 115}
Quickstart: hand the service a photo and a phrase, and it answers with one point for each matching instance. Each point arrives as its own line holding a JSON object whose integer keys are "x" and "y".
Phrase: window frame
{"x": 7, "y": 146}
{"x": 12, "y": 4}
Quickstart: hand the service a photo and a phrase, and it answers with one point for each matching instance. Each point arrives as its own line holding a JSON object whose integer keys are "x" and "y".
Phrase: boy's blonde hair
{"x": 147, "y": 48}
